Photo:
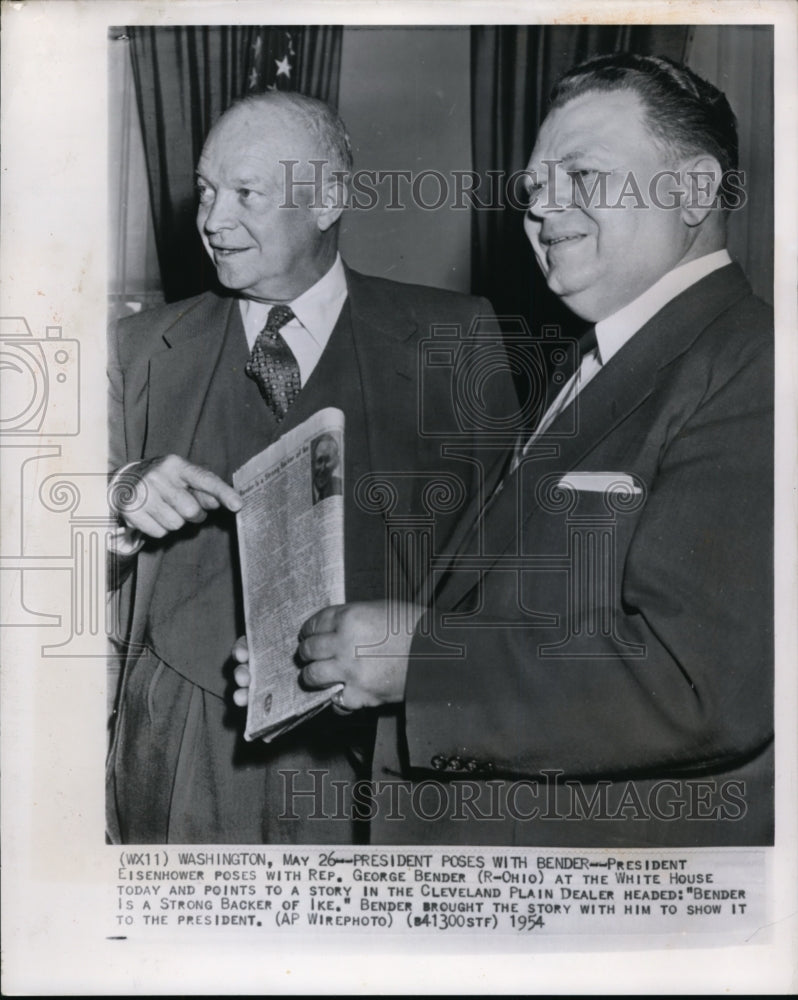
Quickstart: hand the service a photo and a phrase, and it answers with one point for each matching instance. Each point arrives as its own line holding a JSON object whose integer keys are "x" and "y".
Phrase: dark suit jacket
{"x": 183, "y": 600}
{"x": 615, "y": 664}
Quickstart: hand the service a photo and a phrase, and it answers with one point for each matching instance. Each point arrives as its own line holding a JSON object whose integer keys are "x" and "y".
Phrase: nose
{"x": 220, "y": 214}
{"x": 551, "y": 190}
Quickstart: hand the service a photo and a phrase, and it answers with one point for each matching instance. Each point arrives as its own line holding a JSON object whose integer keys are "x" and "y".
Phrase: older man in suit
{"x": 198, "y": 388}
{"x": 596, "y": 667}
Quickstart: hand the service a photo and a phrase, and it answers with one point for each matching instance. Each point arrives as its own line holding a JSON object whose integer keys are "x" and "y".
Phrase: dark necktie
{"x": 558, "y": 376}
{"x": 272, "y": 365}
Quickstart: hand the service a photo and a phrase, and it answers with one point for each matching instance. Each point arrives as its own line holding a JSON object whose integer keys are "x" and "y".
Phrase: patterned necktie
{"x": 272, "y": 365}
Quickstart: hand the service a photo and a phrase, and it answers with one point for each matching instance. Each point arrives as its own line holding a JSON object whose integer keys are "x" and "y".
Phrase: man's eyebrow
{"x": 574, "y": 156}
{"x": 597, "y": 151}
{"x": 244, "y": 181}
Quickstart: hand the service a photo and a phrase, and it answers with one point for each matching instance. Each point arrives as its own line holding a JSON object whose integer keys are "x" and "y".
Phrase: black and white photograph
{"x": 593, "y": 664}
{"x": 492, "y": 311}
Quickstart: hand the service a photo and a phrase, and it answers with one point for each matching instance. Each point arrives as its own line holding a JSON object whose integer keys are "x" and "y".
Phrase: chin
{"x": 560, "y": 284}
{"x": 236, "y": 283}
{"x": 582, "y": 304}
{"x": 228, "y": 283}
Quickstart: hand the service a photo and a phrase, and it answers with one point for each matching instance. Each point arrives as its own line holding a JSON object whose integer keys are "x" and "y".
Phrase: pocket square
{"x": 600, "y": 482}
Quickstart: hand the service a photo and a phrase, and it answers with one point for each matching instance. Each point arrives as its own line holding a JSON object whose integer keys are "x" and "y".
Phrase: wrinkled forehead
{"x": 605, "y": 123}
{"x": 258, "y": 136}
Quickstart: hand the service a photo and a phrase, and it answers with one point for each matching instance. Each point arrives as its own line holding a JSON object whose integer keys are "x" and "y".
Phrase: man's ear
{"x": 334, "y": 201}
{"x": 701, "y": 176}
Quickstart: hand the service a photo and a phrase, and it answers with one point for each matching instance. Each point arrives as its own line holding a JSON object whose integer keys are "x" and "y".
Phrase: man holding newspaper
{"x": 198, "y": 388}
{"x": 596, "y": 667}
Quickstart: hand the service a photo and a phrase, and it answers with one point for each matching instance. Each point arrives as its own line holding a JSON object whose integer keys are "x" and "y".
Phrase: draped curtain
{"x": 739, "y": 60}
{"x": 513, "y": 71}
{"x": 184, "y": 79}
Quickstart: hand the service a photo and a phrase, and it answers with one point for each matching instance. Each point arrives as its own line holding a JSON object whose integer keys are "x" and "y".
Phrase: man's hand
{"x": 329, "y": 645}
{"x": 364, "y": 646}
{"x": 159, "y": 495}
{"x": 241, "y": 673}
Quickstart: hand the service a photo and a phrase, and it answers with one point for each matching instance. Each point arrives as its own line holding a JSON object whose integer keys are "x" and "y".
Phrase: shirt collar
{"x": 316, "y": 309}
{"x": 321, "y": 301}
{"x": 614, "y": 331}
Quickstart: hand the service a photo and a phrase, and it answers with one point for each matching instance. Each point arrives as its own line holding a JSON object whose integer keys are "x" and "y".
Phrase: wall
{"x": 405, "y": 99}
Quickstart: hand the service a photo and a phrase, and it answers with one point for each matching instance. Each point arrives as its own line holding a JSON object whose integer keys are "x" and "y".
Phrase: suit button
{"x": 439, "y": 762}
{"x": 454, "y": 764}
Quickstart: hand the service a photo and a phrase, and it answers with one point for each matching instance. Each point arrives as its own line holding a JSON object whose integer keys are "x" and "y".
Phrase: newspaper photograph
{"x": 399, "y": 444}
{"x": 284, "y": 518}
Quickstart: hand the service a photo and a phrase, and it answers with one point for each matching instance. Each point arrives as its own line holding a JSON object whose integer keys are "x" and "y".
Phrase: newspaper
{"x": 291, "y": 538}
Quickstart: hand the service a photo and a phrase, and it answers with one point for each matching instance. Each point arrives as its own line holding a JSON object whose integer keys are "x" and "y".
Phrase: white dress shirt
{"x": 616, "y": 330}
{"x": 316, "y": 312}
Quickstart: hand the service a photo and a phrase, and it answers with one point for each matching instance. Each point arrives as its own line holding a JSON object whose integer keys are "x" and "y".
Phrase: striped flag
{"x": 273, "y": 60}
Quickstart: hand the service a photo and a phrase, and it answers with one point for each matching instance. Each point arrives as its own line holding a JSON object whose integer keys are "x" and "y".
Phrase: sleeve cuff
{"x": 125, "y": 542}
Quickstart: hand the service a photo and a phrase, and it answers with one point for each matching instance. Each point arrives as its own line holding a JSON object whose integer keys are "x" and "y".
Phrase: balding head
{"x": 324, "y": 132}
{"x": 270, "y": 193}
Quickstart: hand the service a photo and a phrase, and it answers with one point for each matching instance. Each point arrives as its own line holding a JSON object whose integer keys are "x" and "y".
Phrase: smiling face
{"x": 259, "y": 248}
{"x": 595, "y": 254}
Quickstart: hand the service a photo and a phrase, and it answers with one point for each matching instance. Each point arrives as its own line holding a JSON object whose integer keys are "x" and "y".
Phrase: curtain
{"x": 513, "y": 71}
{"x": 134, "y": 275}
{"x": 184, "y": 79}
{"x": 739, "y": 60}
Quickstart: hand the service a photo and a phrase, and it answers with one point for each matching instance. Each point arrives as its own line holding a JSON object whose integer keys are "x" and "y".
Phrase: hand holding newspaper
{"x": 291, "y": 539}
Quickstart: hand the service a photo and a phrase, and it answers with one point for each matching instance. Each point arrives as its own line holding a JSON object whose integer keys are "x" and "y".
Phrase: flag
{"x": 273, "y": 60}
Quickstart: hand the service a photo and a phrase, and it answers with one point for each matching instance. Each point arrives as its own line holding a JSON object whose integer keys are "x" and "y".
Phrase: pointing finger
{"x": 208, "y": 482}
{"x": 206, "y": 500}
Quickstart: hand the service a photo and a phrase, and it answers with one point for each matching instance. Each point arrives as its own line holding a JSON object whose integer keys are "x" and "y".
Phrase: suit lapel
{"x": 382, "y": 329}
{"x": 180, "y": 375}
{"x": 625, "y": 383}
{"x": 385, "y": 323}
